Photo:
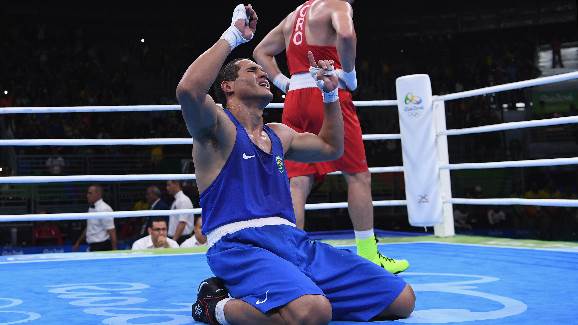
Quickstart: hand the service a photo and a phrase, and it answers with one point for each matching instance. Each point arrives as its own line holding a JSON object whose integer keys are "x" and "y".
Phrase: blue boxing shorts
{"x": 270, "y": 266}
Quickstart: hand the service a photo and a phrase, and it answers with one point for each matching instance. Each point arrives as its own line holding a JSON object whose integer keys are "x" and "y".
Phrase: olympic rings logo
{"x": 116, "y": 300}
{"x": 510, "y": 306}
{"x": 30, "y": 316}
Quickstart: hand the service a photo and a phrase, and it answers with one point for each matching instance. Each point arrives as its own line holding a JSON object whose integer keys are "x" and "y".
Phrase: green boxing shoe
{"x": 367, "y": 248}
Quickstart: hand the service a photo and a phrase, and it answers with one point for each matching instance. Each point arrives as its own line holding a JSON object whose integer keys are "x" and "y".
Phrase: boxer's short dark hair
{"x": 228, "y": 72}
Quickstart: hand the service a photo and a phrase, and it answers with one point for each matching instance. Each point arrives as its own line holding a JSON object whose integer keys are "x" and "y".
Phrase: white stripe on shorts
{"x": 215, "y": 235}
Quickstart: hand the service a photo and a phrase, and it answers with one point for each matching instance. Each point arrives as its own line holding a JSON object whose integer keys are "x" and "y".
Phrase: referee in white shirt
{"x": 180, "y": 225}
{"x": 100, "y": 234}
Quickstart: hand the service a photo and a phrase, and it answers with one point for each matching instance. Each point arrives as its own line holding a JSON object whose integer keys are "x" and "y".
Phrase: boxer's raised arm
{"x": 198, "y": 108}
{"x": 265, "y": 52}
{"x": 342, "y": 22}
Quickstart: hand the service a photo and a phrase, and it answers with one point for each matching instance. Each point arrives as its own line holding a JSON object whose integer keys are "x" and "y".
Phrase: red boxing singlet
{"x": 297, "y": 50}
{"x": 304, "y": 109}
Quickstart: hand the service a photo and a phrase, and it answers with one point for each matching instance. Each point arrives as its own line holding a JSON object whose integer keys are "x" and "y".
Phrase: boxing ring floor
{"x": 454, "y": 283}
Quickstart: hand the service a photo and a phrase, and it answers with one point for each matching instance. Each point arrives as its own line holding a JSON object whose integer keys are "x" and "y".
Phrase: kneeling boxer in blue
{"x": 267, "y": 270}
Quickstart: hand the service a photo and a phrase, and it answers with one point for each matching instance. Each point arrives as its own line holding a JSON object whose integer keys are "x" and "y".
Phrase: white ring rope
{"x": 518, "y": 201}
{"x": 160, "y": 177}
{"x": 139, "y": 142}
{"x": 89, "y": 109}
{"x": 138, "y": 177}
{"x": 94, "y": 215}
{"x": 340, "y": 205}
{"x": 97, "y": 142}
{"x": 94, "y": 178}
{"x": 376, "y": 103}
{"x": 511, "y": 86}
{"x": 317, "y": 206}
{"x": 512, "y": 126}
{"x": 150, "y": 108}
{"x": 374, "y": 170}
{"x": 367, "y": 137}
{"x": 371, "y": 137}
{"x": 144, "y": 213}
{"x": 515, "y": 163}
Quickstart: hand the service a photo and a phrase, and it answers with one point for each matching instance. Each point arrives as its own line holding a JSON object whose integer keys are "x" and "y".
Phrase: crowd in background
{"x": 65, "y": 67}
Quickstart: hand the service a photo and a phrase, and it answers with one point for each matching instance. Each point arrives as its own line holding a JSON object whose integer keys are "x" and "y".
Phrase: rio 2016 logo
{"x": 412, "y": 99}
{"x": 413, "y": 104}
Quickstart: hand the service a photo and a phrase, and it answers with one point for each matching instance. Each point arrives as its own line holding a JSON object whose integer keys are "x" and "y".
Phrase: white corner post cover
{"x": 418, "y": 139}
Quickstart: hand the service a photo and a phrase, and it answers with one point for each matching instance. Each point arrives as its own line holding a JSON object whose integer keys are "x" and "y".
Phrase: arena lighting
{"x": 520, "y": 105}
{"x": 142, "y": 40}
{"x": 5, "y": 92}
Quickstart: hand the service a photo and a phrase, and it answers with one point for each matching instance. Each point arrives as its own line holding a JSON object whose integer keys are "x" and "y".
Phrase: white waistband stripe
{"x": 215, "y": 235}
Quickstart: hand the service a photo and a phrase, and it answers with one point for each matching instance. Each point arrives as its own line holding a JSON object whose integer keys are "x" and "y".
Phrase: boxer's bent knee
{"x": 308, "y": 309}
{"x": 401, "y": 307}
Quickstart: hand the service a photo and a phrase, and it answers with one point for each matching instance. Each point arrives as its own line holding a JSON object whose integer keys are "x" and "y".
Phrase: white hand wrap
{"x": 282, "y": 82}
{"x": 328, "y": 97}
{"x": 331, "y": 96}
{"x": 349, "y": 78}
{"x": 233, "y": 35}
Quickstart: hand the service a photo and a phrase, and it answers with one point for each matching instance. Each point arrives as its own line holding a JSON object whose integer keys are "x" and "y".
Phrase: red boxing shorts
{"x": 303, "y": 112}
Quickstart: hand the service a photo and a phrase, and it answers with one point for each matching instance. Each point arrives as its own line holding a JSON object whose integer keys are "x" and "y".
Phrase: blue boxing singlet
{"x": 252, "y": 184}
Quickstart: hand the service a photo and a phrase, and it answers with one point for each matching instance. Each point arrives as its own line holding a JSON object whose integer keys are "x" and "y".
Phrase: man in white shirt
{"x": 157, "y": 237}
{"x": 100, "y": 234}
{"x": 180, "y": 225}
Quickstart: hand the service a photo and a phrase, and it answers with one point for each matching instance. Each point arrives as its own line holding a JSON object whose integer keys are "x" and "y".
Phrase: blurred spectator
{"x": 478, "y": 217}
{"x": 496, "y": 216}
{"x": 461, "y": 219}
{"x": 140, "y": 205}
{"x": 46, "y": 233}
{"x": 128, "y": 229}
{"x": 6, "y": 99}
{"x": 153, "y": 197}
{"x": 180, "y": 225}
{"x": 55, "y": 163}
{"x": 100, "y": 234}
{"x": 556, "y": 53}
{"x": 157, "y": 155}
{"x": 157, "y": 237}
{"x": 199, "y": 239}
{"x": 7, "y": 154}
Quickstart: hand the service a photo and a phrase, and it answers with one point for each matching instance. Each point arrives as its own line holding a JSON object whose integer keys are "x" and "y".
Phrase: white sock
{"x": 220, "y": 311}
{"x": 364, "y": 234}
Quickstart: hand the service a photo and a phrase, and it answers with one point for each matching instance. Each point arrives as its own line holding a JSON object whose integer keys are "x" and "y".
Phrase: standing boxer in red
{"x": 324, "y": 27}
